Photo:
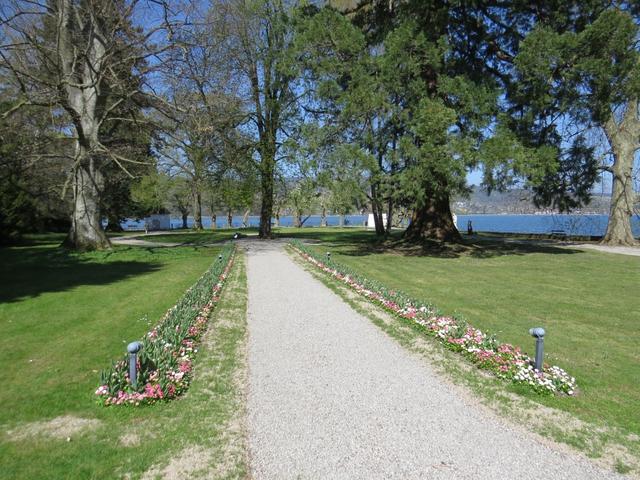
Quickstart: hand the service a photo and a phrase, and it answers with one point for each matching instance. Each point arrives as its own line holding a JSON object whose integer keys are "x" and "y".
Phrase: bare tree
{"x": 85, "y": 59}
{"x": 258, "y": 46}
{"x": 202, "y": 89}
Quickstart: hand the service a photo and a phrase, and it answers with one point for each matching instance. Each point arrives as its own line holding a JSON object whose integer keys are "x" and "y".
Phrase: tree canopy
{"x": 369, "y": 105}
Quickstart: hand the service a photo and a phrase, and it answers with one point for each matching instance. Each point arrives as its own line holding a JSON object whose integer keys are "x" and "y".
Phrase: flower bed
{"x": 504, "y": 360}
{"x": 165, "y": 360}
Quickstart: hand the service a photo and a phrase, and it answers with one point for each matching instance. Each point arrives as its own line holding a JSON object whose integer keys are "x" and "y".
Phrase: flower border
{"x": 504, "y": 360}
{"x": 168, "y": 350}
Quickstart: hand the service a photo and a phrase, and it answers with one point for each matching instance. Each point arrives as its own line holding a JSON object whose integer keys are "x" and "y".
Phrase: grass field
{"x": 587, "y": 301}
{"x": 64, "y": 317}
{"x": 191, "y": 237}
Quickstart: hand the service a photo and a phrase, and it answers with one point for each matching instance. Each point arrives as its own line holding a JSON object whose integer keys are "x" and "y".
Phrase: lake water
{"x": 595, "y": 225}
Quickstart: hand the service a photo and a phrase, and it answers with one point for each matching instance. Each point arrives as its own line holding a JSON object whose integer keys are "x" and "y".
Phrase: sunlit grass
{"x": 64, "y": 317}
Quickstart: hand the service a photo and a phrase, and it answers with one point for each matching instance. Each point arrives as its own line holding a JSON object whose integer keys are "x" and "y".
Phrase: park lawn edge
{"x": 605, "y": 445}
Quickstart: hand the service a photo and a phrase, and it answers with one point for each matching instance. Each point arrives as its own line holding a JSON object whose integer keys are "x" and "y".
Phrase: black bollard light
{"x": 538, "y": 334}
{"x": 328, "y": 256}
{"x": 133, "y": 348}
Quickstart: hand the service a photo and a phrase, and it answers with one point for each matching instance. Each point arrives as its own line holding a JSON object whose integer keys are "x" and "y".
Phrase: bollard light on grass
{"x": 220, "y": 257}
{"x": 133, "y": 348}
{"x": 538, "y": 334}
{"x": 328, "y": 256}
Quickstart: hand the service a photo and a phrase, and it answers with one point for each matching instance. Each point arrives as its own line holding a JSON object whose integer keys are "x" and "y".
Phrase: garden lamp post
{"x": 133, "y": 348}
{"x": 538, "y": 334}
{"x": 328, "y": 256}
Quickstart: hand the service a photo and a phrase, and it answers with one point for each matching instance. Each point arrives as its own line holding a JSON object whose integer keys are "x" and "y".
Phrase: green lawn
{"x": 64, "y": 317}
{"x": 191, "y": 237}
{"x": 587, "y": 301}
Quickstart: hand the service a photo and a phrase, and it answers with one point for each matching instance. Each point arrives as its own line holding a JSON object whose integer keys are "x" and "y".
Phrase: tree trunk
{"x": 113, "y": 224}
{"x": 622, "y": 199}
{"x": 266, "y": 181}
{"x": 297, "y": 219}
{"x": 197, "y": 210}
{"x": 341, "y": 220}
{"x": 323, "y": 218}
{"x": 277, "y": 217}
{"x": 229, "y": 219}
{"x": 86, "y": 231}
{"x": 433, "y": 221}
{"x": 83, "y": 105}
{"x": 389, "y": 216}
{"x": 245, "y": 219}
{"x": 376, "y": 207}
{"x": 623, "y": 139}
{"x": 185, "y": 217}
{"x": 214, "y": 219}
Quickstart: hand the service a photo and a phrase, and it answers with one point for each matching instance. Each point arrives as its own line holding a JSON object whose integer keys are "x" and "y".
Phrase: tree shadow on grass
{"x": 329, "y": 236}
{"x": 480, "y": 248}
{"x": 29, "y": 272}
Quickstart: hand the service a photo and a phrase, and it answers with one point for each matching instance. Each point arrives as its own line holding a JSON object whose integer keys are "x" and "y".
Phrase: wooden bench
{"x": 558, "y": 234}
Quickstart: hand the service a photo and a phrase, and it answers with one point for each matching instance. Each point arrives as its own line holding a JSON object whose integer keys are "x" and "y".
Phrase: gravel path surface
{"x": 634, "y": 251}
{"x": 138, "y": 242}
{"x": 331, "y": 396}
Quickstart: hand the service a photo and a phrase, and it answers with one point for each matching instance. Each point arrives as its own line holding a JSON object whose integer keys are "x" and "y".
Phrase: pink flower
{"x": 102, "y": 390}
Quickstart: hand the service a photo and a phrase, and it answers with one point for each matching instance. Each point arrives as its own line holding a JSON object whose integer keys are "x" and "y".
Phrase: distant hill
{"x": 517, "y": 201}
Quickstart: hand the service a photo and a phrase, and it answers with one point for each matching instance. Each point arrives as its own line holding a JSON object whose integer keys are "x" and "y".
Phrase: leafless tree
{"x": 196, "y": 140}
{"x": 85, "y": 59}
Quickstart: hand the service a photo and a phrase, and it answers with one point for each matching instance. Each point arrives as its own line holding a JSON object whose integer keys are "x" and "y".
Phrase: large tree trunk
{"x": 197, "y": 209}
{"x": 622, "y": 199}
{"x": 323, "y": 217}
{"x": 389, "y": 216}
{"x": 83, "y": 104}
{"x": 266, "y": 181}
{"x": 214, "y": 219}
{"x": 433, "y": 221}
{"x": 229, "y": 219}
{"x": 86, "y": 231}
{"x": 623, "y": 139}
{"x": 185, "y": 217}
{"x": 277, "y": 217}
{"x": 245, "y": 219}
{"x": 341, "y": 220}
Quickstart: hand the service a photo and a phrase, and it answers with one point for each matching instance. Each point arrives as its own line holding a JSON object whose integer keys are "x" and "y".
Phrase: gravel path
{"x": 634, "y": 251}
{"x": 331, "y": 396}
{"x": 140, "y": 242}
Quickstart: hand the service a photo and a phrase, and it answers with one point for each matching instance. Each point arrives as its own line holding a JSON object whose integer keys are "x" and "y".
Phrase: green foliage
{"x": 151, "y": 192}
{"x": 573, "y": 74}
{"x": 17, "y": 207}
{"x": 403, "y": 99}
{"x": 30, "y": 193}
